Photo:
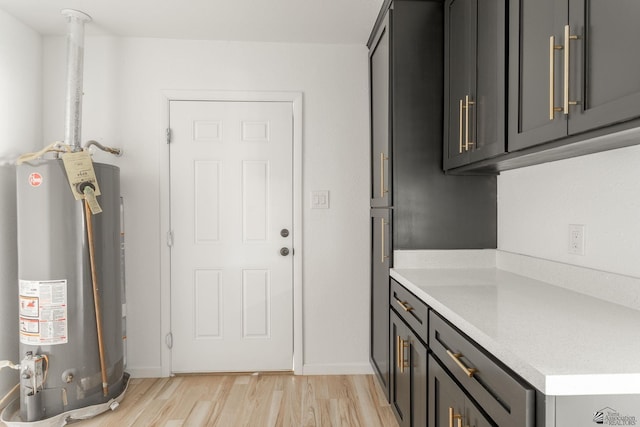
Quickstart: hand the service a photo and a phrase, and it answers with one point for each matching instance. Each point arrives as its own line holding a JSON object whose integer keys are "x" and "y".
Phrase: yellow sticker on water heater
{"x": 80, "y": 173}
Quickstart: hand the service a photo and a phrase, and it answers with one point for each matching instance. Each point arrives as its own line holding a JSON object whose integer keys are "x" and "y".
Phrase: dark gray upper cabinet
{"x": 475, "y": 81}
{"x": 431, "y": 210}
{"x": 606, "y": 83}
{"x": 574, "y": 68}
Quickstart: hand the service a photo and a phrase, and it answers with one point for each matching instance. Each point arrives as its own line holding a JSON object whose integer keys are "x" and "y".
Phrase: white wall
{"x": 602, "y": 191}
{"x": 124, "y": 81}
{"x": 20, "y": 131}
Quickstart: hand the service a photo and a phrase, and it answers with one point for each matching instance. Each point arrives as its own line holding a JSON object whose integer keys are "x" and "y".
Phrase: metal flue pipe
{"x": 75, "y": 62}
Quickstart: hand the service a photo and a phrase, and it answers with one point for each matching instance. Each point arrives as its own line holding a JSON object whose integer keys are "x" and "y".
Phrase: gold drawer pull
{"x": 383, "y": 254}
{"x": 383, "y": 190}
{"x": 552, "y": 48}
{"x": 567, "y": 38}
{"x": 402, "y": 361}
{"x": 453, "y": 416}
{"x": 460, "y": 136}
{"x": 467, "y": 105}
{"x": 405, "y": 306}
{"x": 456, "y": 358}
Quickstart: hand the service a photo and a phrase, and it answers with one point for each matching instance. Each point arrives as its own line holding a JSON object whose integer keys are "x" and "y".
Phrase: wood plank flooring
{"x": 251, "y": 400}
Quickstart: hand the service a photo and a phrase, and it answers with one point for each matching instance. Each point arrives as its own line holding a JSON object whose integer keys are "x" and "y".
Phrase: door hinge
{"x": 168, "y": 340}
{"x": 170, "y": 238}
{"x": 168, "y": 135}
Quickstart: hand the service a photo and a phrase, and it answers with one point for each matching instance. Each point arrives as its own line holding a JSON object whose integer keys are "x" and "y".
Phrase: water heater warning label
{"x": 43, "y": 312}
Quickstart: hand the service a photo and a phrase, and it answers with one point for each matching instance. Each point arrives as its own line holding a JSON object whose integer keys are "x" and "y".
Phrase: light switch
{"x": 320, "y": 199}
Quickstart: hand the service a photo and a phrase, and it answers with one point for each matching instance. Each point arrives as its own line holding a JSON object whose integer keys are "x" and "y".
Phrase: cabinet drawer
{"x": 508, "y": 400}
{"x": 411, "y": 309}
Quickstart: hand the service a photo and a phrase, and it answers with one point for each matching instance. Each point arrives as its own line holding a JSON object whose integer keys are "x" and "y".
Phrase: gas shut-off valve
{"x": 33, "y": 372}
{"x": 32, "y": 369}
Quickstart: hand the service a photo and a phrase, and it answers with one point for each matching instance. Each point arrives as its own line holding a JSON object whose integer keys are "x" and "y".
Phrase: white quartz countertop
{"x": 562, "y": 342}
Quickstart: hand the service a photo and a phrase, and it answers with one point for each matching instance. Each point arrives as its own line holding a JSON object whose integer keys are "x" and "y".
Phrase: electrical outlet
{"x": 576, "y": 239}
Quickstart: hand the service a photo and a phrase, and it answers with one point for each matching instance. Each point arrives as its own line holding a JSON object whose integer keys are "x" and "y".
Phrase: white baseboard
{"x": 337, "y": 369}
{"x": 155, "y": 372}
{"x": 309, "y": 369}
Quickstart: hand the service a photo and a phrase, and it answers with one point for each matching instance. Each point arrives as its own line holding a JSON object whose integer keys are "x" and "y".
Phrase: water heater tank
{"x": 58, "y": 333}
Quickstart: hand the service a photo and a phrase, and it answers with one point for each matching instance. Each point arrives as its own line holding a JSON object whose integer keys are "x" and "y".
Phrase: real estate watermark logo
{"x": 610, "y": 417}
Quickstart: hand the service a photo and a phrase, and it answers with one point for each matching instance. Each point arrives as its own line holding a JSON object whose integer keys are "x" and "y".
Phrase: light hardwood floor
{"x": 251, "y": 400}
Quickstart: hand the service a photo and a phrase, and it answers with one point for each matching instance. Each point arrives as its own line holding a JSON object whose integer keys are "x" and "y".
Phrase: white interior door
{"x": 231, "y": 187}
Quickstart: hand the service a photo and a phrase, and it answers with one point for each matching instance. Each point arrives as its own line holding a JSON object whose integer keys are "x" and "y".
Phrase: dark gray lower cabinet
{"x": 379, "y": 308}
{"x": 507, "y": 400}
{"x": 408, "y": 375}
{"x": 448, "y": 404}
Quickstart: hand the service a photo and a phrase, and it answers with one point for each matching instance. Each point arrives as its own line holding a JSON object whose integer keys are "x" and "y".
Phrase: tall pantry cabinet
{"x": 415, "y": 205}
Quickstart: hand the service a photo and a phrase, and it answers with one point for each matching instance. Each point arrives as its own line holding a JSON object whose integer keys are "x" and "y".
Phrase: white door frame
{"x": 165, "y": 208}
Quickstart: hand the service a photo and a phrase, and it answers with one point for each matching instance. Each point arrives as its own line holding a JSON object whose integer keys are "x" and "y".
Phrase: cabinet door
{"x": 459, "y": 67}
{"x": 400, "y": 370}
{"x": 449, "y": 405}
{"x": 474, "y": 418}
{"x": 409, "y": 382}
{"x": 446, "y": 399}
{"x": 418, "y": 364}
{"x": 380, "y": 262}
{"x": 379, "y": 75}
{"x": 475, "y": 47}
{"x": 606, "y": 82}
{"x": 489, "y": 94}
{"x": 531, "y": 85}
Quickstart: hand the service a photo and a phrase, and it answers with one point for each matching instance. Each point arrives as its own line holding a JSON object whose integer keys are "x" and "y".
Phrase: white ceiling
{"x": 296, "y": 21}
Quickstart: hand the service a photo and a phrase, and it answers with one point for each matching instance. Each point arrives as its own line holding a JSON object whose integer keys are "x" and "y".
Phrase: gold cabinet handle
{"x": 383, "y": 254}
{"x": 453, "y": 416}
{"x": 383, "y": 158}
{"x": 456, "y": 358}
{"x": 402, "y": 363}
{"x": 461, "y": 130}
{"x": 467, "y": 104}
{"x": 552, "y": 84}
{"x": 398, "y": 351}
{"x": 567, "y": 39}
{"x": 405, "y": 306}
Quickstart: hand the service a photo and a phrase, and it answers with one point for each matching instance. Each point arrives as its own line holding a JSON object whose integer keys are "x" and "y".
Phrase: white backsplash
{"x": 607, "y": 286}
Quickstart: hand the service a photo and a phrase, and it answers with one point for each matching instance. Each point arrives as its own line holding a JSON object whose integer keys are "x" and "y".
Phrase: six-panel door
{"x": 231, "y": 195}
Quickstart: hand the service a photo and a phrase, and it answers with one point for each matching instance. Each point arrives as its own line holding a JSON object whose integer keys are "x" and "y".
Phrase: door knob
{"x": 284, "y": 232}
{"x": 284, "y": 251}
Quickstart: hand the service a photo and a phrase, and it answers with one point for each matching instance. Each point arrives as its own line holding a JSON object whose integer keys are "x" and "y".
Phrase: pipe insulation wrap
{"x": 8, "y": 364}
{"x": 75, "y": 63}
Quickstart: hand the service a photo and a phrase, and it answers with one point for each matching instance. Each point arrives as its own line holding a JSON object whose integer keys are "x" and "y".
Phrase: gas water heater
{"x": 69, "y": 270}
{"x": 62, "y": 368}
